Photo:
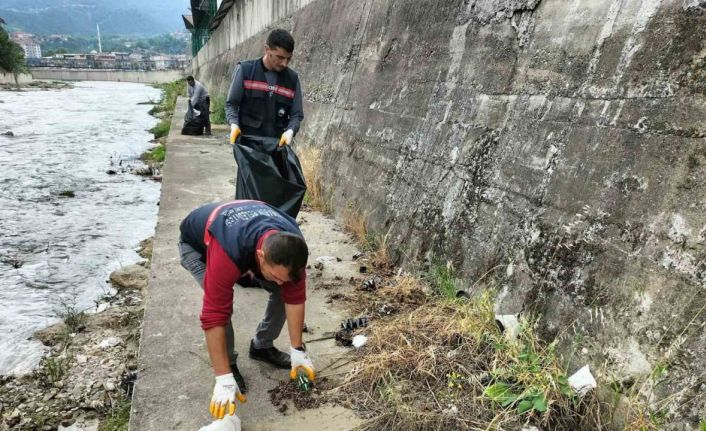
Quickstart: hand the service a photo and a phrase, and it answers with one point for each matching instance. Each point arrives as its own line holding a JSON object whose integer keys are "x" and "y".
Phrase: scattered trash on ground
{"x": 583, "y": 381}
{"x": 355, "y": 323}
{"x": 325, "y": 259}
{"x": 509, "y": 324}
{"x": 371, "y": 284}
{"x": 359, "y": 341}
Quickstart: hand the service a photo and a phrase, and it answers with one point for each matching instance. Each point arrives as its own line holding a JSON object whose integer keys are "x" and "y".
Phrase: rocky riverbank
{"x": 86, "y": 379}
{"x": 38, "y": 85}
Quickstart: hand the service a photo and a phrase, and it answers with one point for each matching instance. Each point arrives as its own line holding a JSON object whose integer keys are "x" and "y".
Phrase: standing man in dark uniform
{"x": 218, "y": 243}
{"x": 265, "y": 96}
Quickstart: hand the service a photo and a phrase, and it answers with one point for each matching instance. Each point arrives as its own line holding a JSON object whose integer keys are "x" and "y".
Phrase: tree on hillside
{"x": 12, "y": 57}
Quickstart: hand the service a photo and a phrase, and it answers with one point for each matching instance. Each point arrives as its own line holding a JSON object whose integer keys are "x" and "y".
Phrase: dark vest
{"x": 237, "y": 228}
{"x": 265, "y": 109}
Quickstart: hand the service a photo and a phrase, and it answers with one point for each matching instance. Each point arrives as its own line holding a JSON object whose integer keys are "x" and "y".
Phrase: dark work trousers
{"x": 271, "y": 325}
{"x": 205, "y": 107}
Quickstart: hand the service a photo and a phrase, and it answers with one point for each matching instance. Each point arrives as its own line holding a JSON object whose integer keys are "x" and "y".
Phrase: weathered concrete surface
{"x": 9, "y": 78}
{"x": 175, "y": 378}
{"x": 141, "y": 76}
{"x": 561, "y": 141}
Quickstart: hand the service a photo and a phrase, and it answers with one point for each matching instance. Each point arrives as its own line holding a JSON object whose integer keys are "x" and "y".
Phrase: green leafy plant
{"x": 218, "y": 107}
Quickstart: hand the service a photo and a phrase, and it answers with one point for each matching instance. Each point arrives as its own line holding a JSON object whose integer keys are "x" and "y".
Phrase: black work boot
{"x": 271, "y": 355}
{"x": 238, "y": 377}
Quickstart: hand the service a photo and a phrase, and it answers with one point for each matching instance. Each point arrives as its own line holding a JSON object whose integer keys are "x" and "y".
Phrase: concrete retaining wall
{"x": 246, "y": 19}
{"x": 9, "y": 78}
{"x": 554, "y": 147}
{"x": 147, "y": 77}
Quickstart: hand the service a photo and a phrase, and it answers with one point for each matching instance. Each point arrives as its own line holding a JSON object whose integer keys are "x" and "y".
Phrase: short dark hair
{"x": 280, "y": 38}
{"x": 189, "y": 78}
{"x": 288, "y": 250}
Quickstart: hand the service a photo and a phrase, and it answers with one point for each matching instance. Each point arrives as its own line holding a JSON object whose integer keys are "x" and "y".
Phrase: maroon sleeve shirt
{"x": 219, "y": 279}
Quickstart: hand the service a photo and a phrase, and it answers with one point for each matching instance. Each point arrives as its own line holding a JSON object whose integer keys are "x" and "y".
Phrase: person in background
{"x": 200, "y": 101}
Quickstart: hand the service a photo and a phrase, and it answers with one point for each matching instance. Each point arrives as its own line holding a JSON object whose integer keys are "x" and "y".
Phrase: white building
{"x": 29, "y": 44}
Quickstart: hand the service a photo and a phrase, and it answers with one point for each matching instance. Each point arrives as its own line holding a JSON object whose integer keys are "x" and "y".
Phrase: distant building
{"x": 29, "y": 44}
{"x": 115, "y": 60}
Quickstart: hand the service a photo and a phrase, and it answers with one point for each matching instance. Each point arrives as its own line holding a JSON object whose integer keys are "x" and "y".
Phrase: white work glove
{"x": 300, "y": 360}
{"x": 286, "y": 137}
{"x": 228, "y": 423}
{"x": 234, "y": 133}
{"x": 224, "y": 394}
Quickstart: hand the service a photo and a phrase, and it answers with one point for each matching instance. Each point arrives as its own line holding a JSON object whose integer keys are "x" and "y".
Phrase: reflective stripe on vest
{"x": 263, "y": 86}
{"x": 206, "y": 234}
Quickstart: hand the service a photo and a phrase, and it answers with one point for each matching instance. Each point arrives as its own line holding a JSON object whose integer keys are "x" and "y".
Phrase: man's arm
{"x": 219, "y": 279}
{"x": 217, "y": 350}
{"x": 296, "y": 115}
{"x": 235, "y": 97}
{"x": 295, "y": 323}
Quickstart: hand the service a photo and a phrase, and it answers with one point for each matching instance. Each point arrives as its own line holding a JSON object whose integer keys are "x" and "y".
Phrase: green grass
{"x": 56, "y": 368}
{"x": 219, "y": 110}
{"x": 156, "y": 154}
{"x": 167, "y": 104}
{"x": 161, "y": 129}
{"x": 443, "y": 281}
{"x": 119, "y": 417}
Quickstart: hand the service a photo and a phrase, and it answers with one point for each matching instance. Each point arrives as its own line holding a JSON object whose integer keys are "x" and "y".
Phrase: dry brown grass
{"x": 430, "y": 368}
{"x": 355, "y": 222}
{"x": 310, "y": 159}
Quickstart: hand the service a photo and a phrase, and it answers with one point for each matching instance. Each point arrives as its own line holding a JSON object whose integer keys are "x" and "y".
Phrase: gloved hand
{"x": 197, "y": 113}
{"x": 234, "y": 133}
{"x": 224, "y": 394}
{"x": 286, "y": 137}
{"x": 300, "y": 360}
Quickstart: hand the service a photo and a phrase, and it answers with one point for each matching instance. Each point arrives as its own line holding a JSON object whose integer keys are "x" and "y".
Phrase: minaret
{"x": 100, "y": 48}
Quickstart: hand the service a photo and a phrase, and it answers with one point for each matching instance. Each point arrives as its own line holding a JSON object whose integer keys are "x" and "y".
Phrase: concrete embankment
{"x": 9, "y": 78}
{"x": 175, "y": 379}
{"x": 140, "y": 76}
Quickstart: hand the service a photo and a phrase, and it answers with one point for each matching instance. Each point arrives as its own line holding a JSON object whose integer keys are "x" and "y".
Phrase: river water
{"x": 56, "y": 248}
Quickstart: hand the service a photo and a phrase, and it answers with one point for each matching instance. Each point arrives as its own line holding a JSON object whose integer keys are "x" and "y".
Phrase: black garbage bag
{"x": 269, "y": 173}
{"x": 193, "y": 125}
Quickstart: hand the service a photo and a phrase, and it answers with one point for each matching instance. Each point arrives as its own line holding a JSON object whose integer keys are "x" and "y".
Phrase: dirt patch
{"x": 288, "y": 392}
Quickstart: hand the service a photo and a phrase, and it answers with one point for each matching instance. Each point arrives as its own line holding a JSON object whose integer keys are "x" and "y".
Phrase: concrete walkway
{"x": 175, "y": 378}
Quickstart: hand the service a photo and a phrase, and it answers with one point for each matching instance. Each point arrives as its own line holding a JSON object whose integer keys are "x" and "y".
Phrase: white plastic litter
{"x": 228, "y": 423}
{"x": 325, "y": 259}
{"x": 109, "y": 342}
{"x": 511, "y": 324}
{"x": 359, "y": 341}
{"x": 583, "y": 381}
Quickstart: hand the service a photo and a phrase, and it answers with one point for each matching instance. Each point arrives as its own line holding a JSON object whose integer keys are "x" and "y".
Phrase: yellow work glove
{"x": 234, "y": 133}
{"x": 225, "y": 393}
{"x": 300, "y": 360}
{"x": 286, "y": 137}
